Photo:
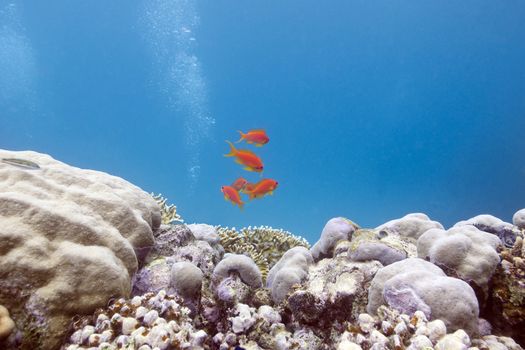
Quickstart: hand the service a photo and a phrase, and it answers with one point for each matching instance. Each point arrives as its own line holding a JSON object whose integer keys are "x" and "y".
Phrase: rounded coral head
{"x": 6, "y": 323}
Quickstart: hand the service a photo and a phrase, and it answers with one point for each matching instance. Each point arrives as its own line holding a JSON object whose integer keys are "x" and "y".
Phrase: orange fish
{"x": 232, "y": 195}
{"x": 239, "y": 184}
{"x": 245, "y": 157}
{"x": 261, "y": 188}
{"x": 257, "y": 137}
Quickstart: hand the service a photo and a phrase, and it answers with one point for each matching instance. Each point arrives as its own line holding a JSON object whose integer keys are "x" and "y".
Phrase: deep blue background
{"x": 374, "y": 108}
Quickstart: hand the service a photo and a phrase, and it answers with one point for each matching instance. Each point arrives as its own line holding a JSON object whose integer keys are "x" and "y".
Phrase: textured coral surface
{"x": 86, "y": 264}
{"x": 70, "y": 239}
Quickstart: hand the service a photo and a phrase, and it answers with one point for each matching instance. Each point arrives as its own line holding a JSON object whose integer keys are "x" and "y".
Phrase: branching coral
{"x": 168, "y": 212}
{"x": 265, "y": 245}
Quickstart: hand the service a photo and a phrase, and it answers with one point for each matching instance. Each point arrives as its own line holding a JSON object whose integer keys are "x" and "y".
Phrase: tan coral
{"x": 6, "y": 323}
{"x": 70, "y": 239}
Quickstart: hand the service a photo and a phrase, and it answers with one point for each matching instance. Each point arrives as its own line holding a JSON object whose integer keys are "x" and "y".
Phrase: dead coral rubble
{"x": 506, "y": 306}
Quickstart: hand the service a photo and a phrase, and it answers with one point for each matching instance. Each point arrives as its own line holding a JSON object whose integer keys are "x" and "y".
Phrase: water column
{"x": 170, "y": 27}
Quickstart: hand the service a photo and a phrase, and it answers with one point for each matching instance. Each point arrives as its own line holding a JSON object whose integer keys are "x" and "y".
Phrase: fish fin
{"x": 258, "y": 130}
{"x": 242, "y": 136}
{"x": 232, "y": 150}
{"x": 270, "y": 193}
{"x": 247, "y": 168}
{"x": 248, "y": 188}
{"x": 241, "y": 206}
{"x": 225, "y": 198}
{"x": 238, "y": 161}
{"x": 258, "y": 145}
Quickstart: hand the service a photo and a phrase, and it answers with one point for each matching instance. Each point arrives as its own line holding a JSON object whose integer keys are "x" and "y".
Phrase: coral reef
{"x": 376, "y": 245}
{"x": 265, "y": 245}
{"x": 506, "y": 232}
{"x": 75, "y": 241}
{"x": 334, "y": 231}
{"x": 414, "y": 284}
{"x": 393, "y": 330}
{"x": 174, "y": 244}
{"x": 309, "y": 305}
{"x": 168, "y": 213}
{"x": 291, "y": 269}
{"x": 6, "y": 323}
{"x": 411, "y": 225}
{"x": 70, "y": 239}
{"x": 151, "y": 321}
{"x": 243, "y": 265}
{"x": 335, "y": 290}
{"x": 204, "y": 232}
{"x": 186, "y": 279}
{"x": 506, "y": 306}
{"x": 463, "y": 252}
{"x": 518, "y": 219}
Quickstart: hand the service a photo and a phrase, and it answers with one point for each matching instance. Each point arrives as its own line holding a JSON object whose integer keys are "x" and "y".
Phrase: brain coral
{"x": 70, "y": 239}
{"x": 465, "y": 251}
{"x": 292, "y": 268}
{"x": 415, "y": 284}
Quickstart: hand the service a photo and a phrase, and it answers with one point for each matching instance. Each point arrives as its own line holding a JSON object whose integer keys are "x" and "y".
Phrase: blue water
{"x": 374, "y": 108}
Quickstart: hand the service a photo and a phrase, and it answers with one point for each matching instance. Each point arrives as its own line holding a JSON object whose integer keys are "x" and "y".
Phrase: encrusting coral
{"x": 506, "y": 306}
{"x": 168, "y": 213}
{"x": 264, "y": 244}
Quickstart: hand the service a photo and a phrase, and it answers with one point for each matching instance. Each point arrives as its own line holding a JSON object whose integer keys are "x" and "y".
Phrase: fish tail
{"x": 242, "y": 136}
{"x": 250, "y": 194}
{"x": 232, "y": 150}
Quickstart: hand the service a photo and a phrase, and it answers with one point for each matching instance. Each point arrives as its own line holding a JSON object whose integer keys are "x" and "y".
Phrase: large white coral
{"x": 69, "y": 239}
